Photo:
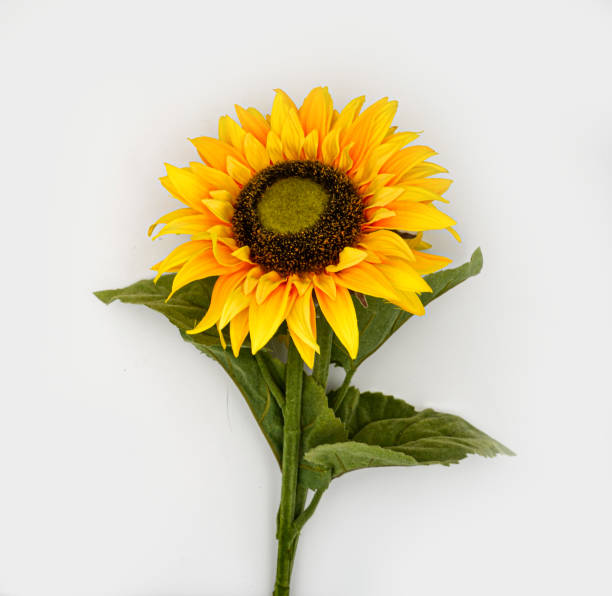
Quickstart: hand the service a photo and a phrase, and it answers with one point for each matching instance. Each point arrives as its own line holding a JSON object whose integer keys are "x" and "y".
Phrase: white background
{"x": 130, "y": 466}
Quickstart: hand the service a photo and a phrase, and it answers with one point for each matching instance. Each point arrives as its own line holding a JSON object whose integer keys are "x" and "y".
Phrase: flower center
{"x": 297, "y": 216}
{"x": 291, "y": 205}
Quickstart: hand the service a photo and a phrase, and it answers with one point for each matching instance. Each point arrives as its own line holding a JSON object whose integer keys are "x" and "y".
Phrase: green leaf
{"x": 385, "y": 431}
{"x": 184, "y": 310}
{"x": 381, "y": 319}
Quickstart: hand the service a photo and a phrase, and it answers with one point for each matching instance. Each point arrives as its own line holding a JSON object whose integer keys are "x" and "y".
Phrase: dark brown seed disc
{"x": 310, "y": 249}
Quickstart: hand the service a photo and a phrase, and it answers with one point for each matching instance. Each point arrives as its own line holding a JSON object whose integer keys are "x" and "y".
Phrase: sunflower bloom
{"x": 306, "y": 204}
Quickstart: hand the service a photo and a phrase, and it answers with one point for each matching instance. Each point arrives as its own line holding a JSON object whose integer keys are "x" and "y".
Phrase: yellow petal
{"x": 282, "y": 106}
{"x": 340, "y": 314}
{"x": 252, "y": 121}
{"x": 307, "y": 353}
{"x": 224, "y": 210}
{"x": 415, "y": 217}
{"x": 239, "y": 327}
{"x": 188, "y": 186}
{"x": 251, "y": 279}
{"x": 349, "y": 257}
{"x": 191, "y": 224}
{"x": 437, "y": 186}
{"x": 454, "y": 234}
{"x": 316, "y": 112}
{"x": 371, "y": 135}
{"x": 403, "y": 276}
{"x": 425, "y": 169}
{"x": 223, "y": 254}
{"x": 238, "y": 171}
{"x": 180, "y": 255}
{"x": 301, "y": 284}
{"x": 243, "y": 254}
{"x": 215, "y": 152}
{"x": 345, "y": 163}
{"x": 403, "y": 161}
{"x": 274, "y": 147}
{"x": 215, "y": 179}
{"x": 368, "y": 279}
{"x": 301, "y": 320}
{"x": 223, "y": 287}
{"x": 387, "y": 243}
{"x": 292, "y": 136}
{"x": 426, "y": 263}
{"x": 230, "y": 132}
{"x": 311, "y": 145}
{"x": 376, "y": 214}
{"x": 266, "y": 285}
{"x": 265, "y": 318}
{"x": 200, "y": 266}
{"x": 409, "y": 301}
{"x": 222, "y": 195}
{"x": 330, "y": 149}
{"x": 256, "y": 153}
{"x": 325, "y": 283}
{"x": 418, "y": 194}
{"x": 164, "y": 219}
{"x": 348, "y": 114}
{"x": 384, "y": 196}
{"x": 236, "y": 302}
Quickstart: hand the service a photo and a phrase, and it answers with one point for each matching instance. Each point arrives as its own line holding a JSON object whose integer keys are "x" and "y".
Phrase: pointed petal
{"x": 292, "y": 136}
{"x": 301, "y": 320}
{"x": 230, "y": 132}
{"x": 236, "y": 302}
{"x": 180, "y": 255}
{"x": 191, "y": 224}
{"x": 340, "y": 314}
{"x": 239, "y": 327}
{"x": 266, "y": 285}
{"x": 164, "y": 219}
{"x": 215, "y": 152}
{"x": 349, "y": 257}
{"x": 256, "y": 153}
{"x": 188, "y": 186}
{"x": 215, "y": 179}
{"x": 311, "y": 145}
{"x": 252, "y": 121}
{"x": 200, "y": 266}
{"x": 330, "y": 148}
{"x": 387, "y": 243}
{"x": 281, "y": 108}
{"x": 426, "y": 263}
{"x": 316, "y": 112}
{"x": 224, "y": 210}
{"x": 274, "y": 147}
{"x": 403, "y": 276}
{"x": 415, "y": 217}
{"x": 265, "y": 318}
{"x": 222, "y": 289}
{"x": 325, "y": 283}
{"x": 238, "y": 171}
{"x": 403, "y": 161}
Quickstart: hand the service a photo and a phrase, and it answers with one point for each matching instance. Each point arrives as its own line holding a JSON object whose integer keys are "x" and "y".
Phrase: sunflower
{"x": 306, "y": 203}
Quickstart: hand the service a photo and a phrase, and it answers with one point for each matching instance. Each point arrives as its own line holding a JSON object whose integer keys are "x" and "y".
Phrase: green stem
{"x": 307, "y": 513}
{"x": 342, "y": 391}
{"x": 290, "y": 463}
{"x": 270, "y": 382}
{"x": 325, "y": 336}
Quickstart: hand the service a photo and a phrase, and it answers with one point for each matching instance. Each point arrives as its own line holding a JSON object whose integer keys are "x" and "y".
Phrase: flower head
{"x": 302, "y": 204}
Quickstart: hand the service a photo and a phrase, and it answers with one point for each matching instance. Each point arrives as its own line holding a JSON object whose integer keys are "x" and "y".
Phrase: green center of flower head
{"x": 297, "y": 216}
{"x": 291, "y": 205}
